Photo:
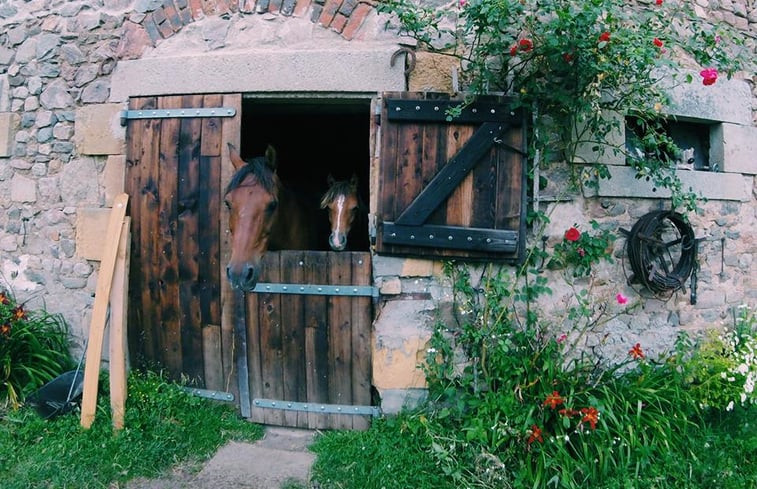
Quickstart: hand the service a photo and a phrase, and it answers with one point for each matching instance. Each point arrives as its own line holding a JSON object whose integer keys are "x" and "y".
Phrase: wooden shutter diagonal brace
{"x": 451, "y": 174}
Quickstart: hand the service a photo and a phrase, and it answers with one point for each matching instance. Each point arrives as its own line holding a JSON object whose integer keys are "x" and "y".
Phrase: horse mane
{"x": 342, "y": 187}
{"x": 258, "y": 168}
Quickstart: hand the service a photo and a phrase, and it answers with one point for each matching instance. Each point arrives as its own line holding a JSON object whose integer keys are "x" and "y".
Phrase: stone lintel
{"x": 325, "y": 71}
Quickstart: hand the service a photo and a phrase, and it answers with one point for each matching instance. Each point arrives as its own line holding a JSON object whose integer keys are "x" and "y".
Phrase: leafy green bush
{"x": 33, "y": 349}
{"x": 722, "y": 370}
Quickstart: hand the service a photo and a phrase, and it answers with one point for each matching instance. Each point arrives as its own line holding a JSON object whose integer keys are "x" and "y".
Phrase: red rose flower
{"x": 709, "y": 76}
{"x": 657, "y": 42}
{"x": 658, "y": 2}
{"x": 604, "y": 37}
{"x": 572, "y": 234}
{"x": 525, "y": 44}
{"x": 567, "y": 57}
{"x": 514, "y": 50}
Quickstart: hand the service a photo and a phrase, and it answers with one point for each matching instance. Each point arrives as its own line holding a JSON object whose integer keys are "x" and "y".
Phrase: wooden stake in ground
{"x": 118, "y": 306}
{"x": 100, "y": 310}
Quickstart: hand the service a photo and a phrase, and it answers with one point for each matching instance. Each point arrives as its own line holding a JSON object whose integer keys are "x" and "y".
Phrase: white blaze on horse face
{"x": 338, "y": 240}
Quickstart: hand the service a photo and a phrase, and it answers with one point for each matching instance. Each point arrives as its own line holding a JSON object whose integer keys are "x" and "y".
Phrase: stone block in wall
{"x": 432, "y": 72}
{"x": 733, "y": 147}
{"x": 7, "y": 128}
{"x": 91, "y": 224}
{"x": 400, "y": 338}
{"x": 395, "y": 400}
{"x": 711, "y": 185}
{"x": 98, "y": 130}
{"x": 416, "y": 267}
{"x": 725, "y": 101}
{"x": 604, "y": 153}
{"x": 113, "y": 177}
{"x": 23, "y": 189}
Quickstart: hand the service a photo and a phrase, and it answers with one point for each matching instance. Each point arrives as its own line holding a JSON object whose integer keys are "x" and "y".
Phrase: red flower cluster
{"x": 709, "y": 76}
{"x": 535, "y": 435}
{"x": 572, "y": 234}
{"x": 636, "y": 351}
{"x": 553, "y": 400}
{"x": 604, "y": 37}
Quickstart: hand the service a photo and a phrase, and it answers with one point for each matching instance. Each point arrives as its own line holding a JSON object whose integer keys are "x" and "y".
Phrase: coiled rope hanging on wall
{"x": 662, "y": 252}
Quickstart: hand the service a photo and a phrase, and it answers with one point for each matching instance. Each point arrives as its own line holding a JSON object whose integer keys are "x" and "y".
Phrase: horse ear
{"x": 236, "y": 160}
{"x": 330, "y": 180}
{"x": 270, "y": 157}
{"x": 353, "y": 181}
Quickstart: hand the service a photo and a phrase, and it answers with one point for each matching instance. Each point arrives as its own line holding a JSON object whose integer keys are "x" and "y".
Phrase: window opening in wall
{"x": 685, "y": 144}
{"x": 314, "y": 139}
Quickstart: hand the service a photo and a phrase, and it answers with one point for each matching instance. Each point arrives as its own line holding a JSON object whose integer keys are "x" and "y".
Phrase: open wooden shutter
{"x": 451, "y": 189}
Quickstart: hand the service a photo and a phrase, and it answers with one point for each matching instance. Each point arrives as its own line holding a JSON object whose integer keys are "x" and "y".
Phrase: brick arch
{"x": 342, "y": 16}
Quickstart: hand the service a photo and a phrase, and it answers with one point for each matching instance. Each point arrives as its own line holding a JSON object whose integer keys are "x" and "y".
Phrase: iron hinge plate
{"x": 310, "y": 407}
{"x": 209, "y": 394}
{"x": 315, "y": 289}
{"x": 180, "y": 113}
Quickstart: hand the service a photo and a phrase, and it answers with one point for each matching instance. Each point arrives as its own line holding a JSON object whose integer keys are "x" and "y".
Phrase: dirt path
{"x": 279, "y": 459}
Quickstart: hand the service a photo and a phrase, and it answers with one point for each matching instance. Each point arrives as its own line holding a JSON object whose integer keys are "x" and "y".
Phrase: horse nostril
{"x": 228, "y": 273}
{"x": 250, "y": 273}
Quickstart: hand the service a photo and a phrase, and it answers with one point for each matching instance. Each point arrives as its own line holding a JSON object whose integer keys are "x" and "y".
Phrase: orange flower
{"x": 18, "y": 312}
{"x": 568, "y": 412}
{"x": 591, "y": 415}
{"x": 5, "y": 329}
{"x": 4, "y": 300}
{"x": 535, "y": 435}
{"x": 636, "y": 352}
{"x": 553, "y": 400}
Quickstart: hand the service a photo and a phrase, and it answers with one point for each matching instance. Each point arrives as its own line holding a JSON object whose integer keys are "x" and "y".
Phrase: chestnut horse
{"x": 263, "y": 214}
{"x": 345, "y": 210}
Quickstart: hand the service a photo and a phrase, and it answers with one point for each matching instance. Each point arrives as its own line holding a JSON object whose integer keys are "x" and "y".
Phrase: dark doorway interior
{"x": 313, "y": 138}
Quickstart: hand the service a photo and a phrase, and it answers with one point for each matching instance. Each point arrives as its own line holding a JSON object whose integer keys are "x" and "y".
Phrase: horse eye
{"x": 227, "y": 204}
{"x": 272, "y": 206}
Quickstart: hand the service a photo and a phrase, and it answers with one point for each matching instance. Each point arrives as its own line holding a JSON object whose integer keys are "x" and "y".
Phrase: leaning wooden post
{"x": 100, "y": 310}
{"x": 119, "y": 300}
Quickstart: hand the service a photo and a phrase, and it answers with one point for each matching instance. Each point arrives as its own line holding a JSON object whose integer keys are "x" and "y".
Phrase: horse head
{"x": 252, "y": 198}
{"x": 342, "y": 203}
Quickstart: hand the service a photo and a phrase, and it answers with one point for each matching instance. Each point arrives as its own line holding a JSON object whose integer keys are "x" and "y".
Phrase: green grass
{"x": 164, "y": 426}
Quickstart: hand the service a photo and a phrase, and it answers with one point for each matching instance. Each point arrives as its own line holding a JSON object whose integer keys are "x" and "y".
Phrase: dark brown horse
{"x": 264, "y": 215}
{"x": 345, "y": 209}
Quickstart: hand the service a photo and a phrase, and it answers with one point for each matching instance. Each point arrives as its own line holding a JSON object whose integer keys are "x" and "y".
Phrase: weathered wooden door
{"x": 309, "y": 354}
{"x": 174, "y": 176}
{"x": 451, "y": 186}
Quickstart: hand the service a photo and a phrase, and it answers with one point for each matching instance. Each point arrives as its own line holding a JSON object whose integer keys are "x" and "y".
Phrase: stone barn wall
{"x": 68, "y": 67}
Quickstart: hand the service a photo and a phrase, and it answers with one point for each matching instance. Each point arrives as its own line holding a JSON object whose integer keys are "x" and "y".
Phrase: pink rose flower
{"x": 621, "y": 299}
{"x": 709, "y": 76}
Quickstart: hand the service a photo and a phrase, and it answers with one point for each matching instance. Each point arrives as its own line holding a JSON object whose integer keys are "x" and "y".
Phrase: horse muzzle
{"x": 242, "y": 276}
{"x": 337, "y": 241}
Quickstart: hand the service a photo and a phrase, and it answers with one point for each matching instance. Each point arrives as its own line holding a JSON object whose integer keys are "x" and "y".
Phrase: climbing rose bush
{"x": 571, "y": 63}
